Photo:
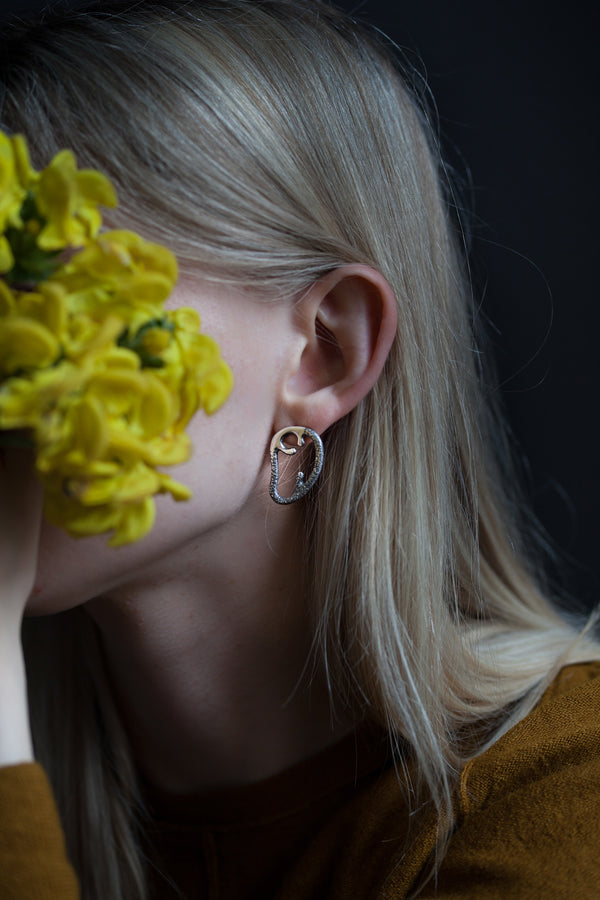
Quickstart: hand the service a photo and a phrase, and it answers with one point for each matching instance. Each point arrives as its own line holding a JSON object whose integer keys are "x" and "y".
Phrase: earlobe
{"x": 347, "y": 321}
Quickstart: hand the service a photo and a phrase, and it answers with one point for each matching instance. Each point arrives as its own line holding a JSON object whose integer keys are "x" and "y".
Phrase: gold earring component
{"x": 277, "y": 446}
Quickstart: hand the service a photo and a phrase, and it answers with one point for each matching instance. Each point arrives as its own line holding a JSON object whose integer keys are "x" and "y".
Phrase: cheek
{"x": 71, "y": 571}
{"x": 230, "y": 448}
{"x": 229, "y": 466}
{"x": 229, "y": 469}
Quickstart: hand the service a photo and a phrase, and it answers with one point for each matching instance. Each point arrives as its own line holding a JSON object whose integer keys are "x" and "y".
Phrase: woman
{"x": 362, "y": 694}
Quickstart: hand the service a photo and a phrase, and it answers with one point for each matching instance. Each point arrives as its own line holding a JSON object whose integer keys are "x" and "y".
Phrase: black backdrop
{"x": 515, "y": 85}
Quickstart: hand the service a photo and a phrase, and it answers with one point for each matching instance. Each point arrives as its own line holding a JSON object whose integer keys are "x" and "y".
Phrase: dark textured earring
{"x": 277, "y": 446}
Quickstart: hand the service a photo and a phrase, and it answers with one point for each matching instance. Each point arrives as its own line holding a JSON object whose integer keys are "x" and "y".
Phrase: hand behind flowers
{"x": 21, "y": 503}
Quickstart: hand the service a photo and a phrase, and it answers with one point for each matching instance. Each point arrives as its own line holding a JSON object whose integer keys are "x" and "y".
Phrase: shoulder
{"x": 528, "y": 807}
{"x": 560, "y": 737}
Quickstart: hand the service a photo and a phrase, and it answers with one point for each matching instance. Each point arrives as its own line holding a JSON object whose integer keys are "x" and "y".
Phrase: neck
{"x": 209, "y": 655}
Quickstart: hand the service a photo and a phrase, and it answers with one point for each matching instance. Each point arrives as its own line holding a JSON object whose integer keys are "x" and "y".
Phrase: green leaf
{"x": 150, "y": 362}
{"x": 32, "y": 264}
{"x": 135, "y": 342}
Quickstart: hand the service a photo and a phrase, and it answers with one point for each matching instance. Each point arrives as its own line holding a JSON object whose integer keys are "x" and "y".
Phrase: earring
{"x": 277, "y": 445}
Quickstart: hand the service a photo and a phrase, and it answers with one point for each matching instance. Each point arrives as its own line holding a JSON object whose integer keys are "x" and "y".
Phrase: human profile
{"x": 363, "y": 693}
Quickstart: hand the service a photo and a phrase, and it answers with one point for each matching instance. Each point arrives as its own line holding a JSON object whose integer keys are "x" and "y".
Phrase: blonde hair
{"x": 268, "y": 143}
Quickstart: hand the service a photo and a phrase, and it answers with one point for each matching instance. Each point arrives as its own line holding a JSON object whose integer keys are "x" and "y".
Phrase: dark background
{"x": 515, "y": 85}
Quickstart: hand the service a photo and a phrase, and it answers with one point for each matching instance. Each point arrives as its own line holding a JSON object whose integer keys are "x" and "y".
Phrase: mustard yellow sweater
{"x": 336, "y": 826}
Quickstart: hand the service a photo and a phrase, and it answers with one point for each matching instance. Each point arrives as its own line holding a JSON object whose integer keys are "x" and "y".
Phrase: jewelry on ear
{"x": 277, "y": 446}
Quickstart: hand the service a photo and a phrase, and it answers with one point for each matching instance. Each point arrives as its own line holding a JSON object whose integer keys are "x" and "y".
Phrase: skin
{"x": 204, "y": 622}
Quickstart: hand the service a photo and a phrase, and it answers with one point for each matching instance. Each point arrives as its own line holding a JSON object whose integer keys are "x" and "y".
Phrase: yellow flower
{"x": 12, "y": 189}
{"x": 31, "y": 324}
{"x": 12, "y": 194}
{"x": 206, "y": 379}
{"x": 103, "y": 423}
{"x": 6, "y": 255}
{"x": 92, "y": 368}
{"x": 25, "y": 343}
{"x": 7, "y": 300}
{"x": 119, "y": 272}
{"x": 115, "y": 432}
{"x": 26, "y": 174}
{"x": 68, "y": 200}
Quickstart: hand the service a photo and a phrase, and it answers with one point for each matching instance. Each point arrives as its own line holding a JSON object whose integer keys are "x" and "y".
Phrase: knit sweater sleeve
{"x": 33, "y": 858}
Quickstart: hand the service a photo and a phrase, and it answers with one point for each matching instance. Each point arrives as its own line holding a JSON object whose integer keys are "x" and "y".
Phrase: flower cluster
{"x": 95, "y": 375}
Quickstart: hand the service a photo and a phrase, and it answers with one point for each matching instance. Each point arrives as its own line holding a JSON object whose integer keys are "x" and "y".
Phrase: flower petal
{"x": 136, "y": 521}
{"x": 25, "y": 343}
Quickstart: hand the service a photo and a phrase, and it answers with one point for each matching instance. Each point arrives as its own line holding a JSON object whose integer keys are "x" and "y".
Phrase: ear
{"x": 345, "y": 324}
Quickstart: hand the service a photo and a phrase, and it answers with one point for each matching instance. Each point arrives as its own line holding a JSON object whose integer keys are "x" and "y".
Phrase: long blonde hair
{"x": 267, "y": 143}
